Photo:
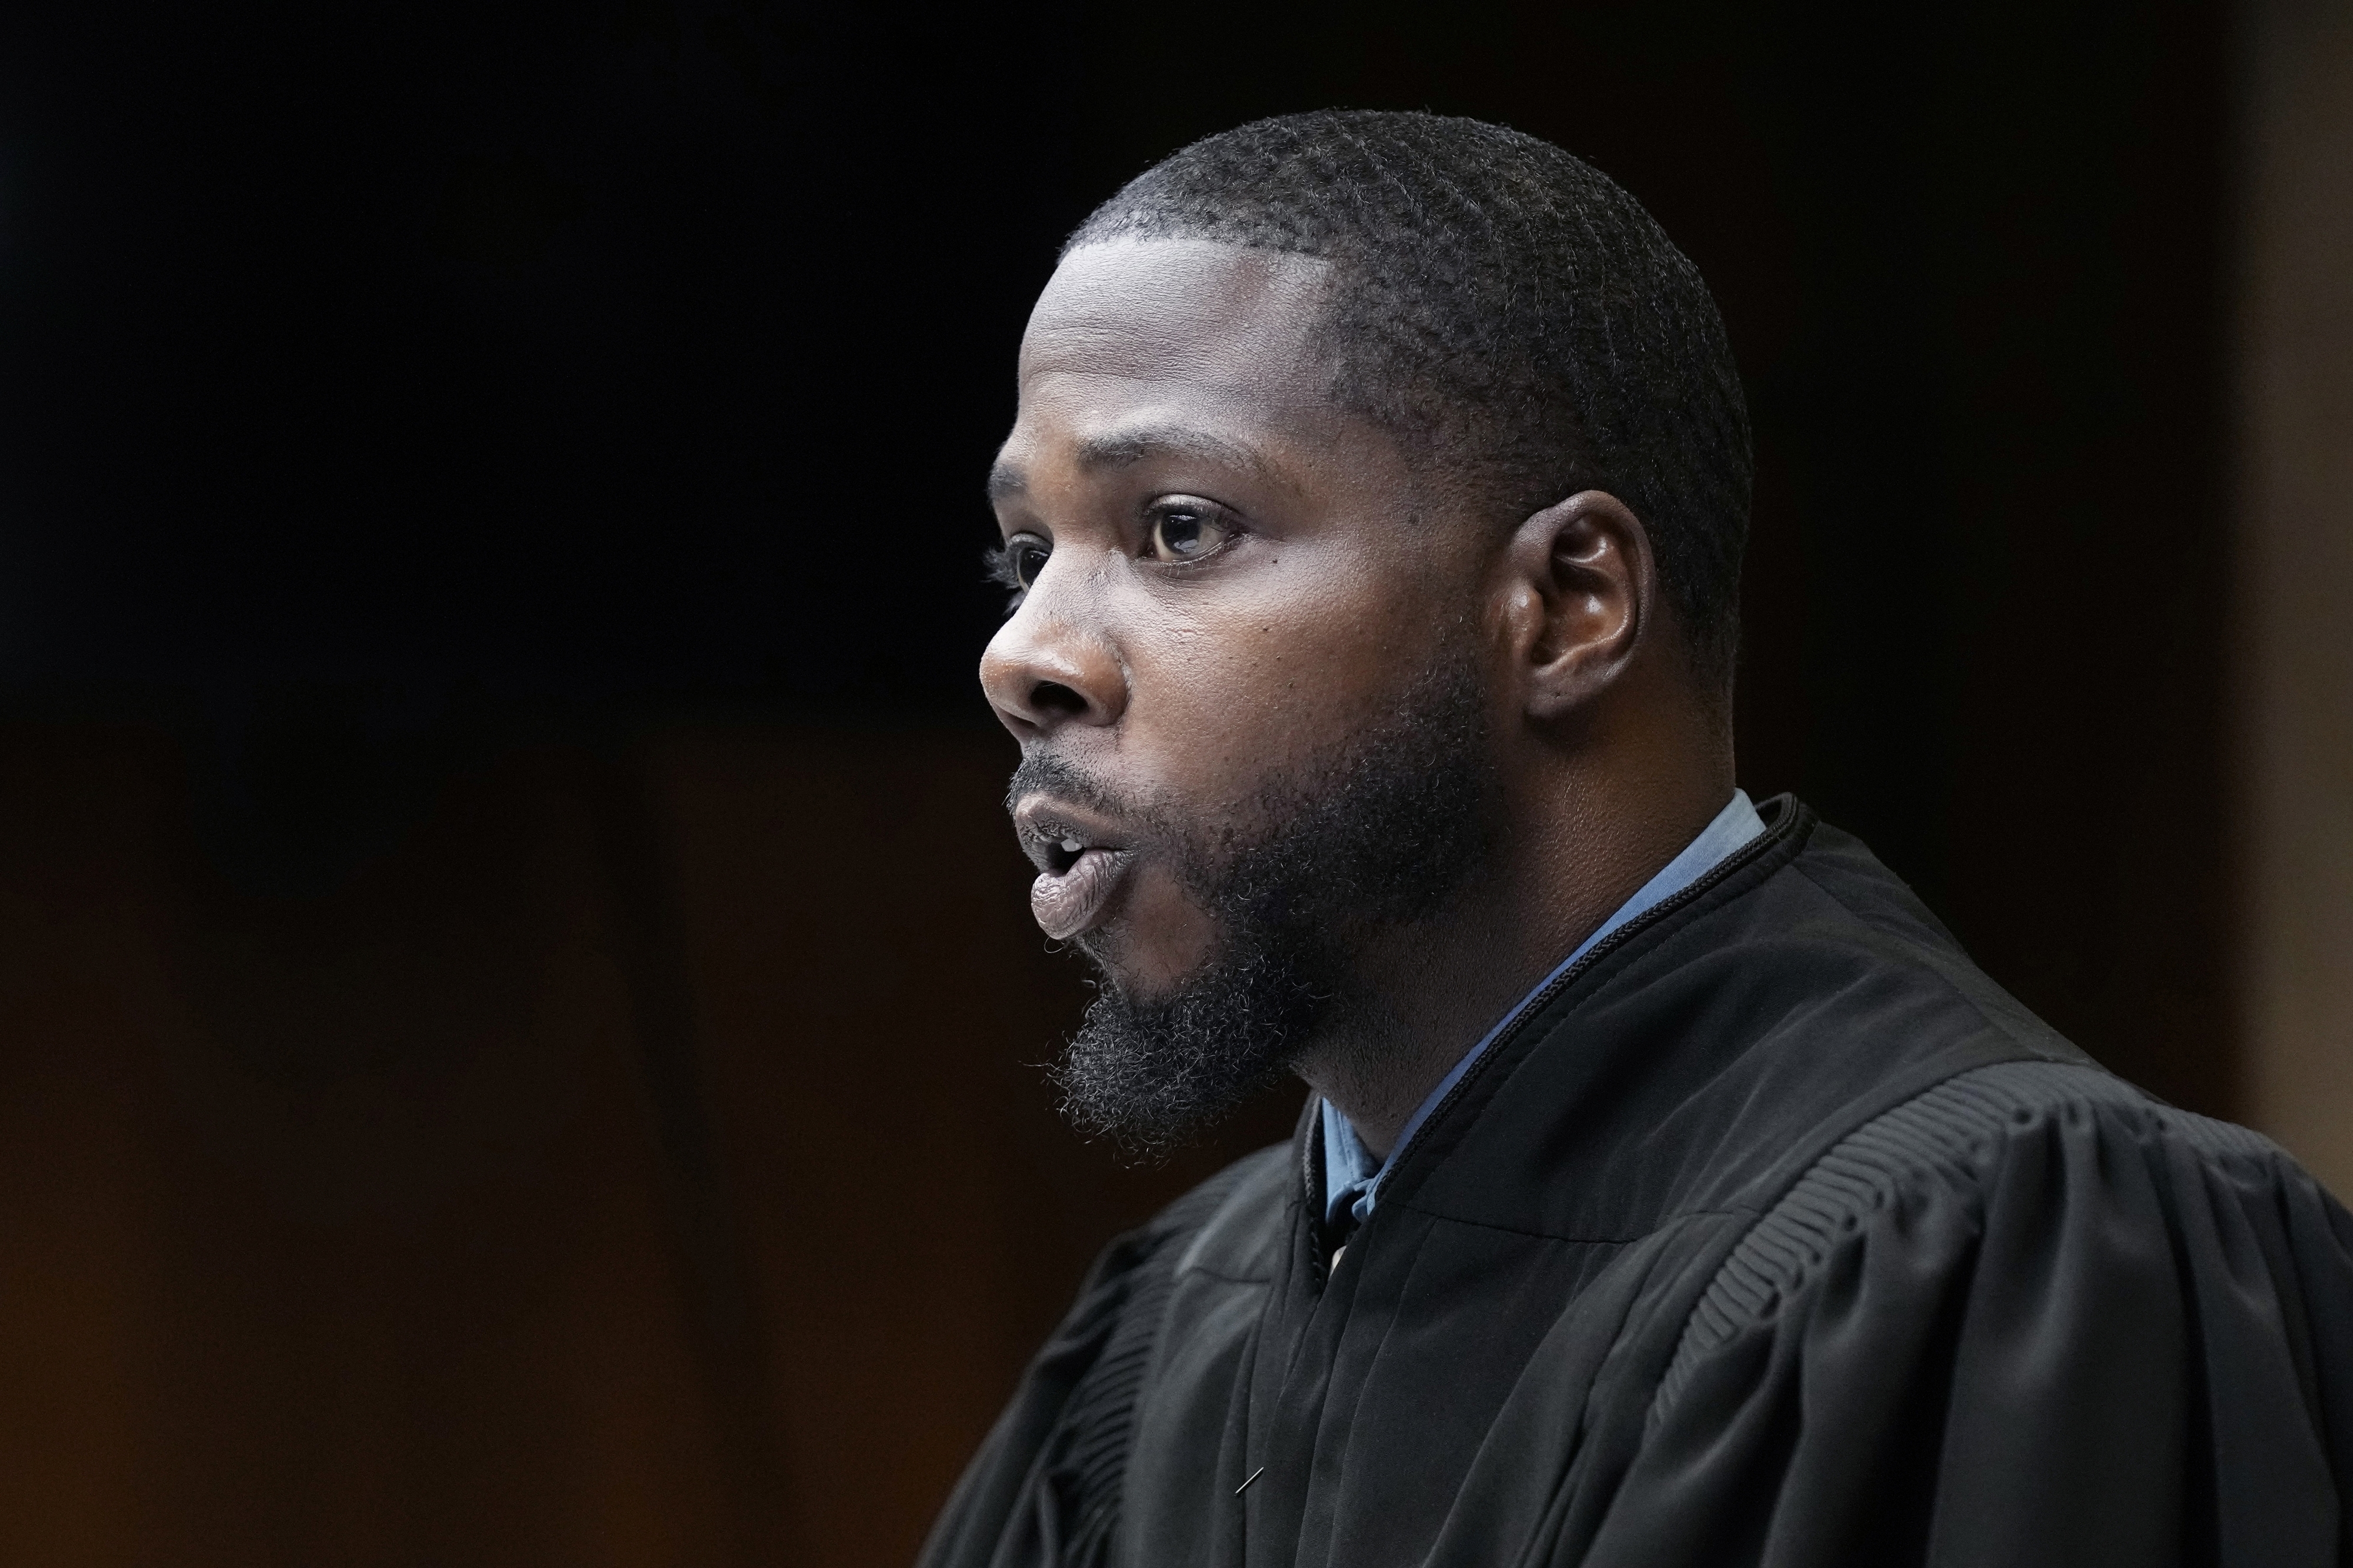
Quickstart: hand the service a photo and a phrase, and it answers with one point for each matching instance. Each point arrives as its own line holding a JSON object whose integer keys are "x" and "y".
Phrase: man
{"x": 1673, "y": 1189}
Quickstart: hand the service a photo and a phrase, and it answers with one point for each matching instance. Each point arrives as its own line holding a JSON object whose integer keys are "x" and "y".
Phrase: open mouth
{"x": 1071, "y": 896}
{"x": 1079, "y": 874}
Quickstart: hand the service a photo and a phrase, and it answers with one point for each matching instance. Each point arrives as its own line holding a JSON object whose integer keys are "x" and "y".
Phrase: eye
{"x": 1014, "y": 565}
{"x": 1186, "y": 530}
{"x": 1028, "y": 557}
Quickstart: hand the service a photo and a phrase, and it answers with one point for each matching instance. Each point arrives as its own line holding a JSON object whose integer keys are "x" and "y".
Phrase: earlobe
{"x": 1578, "y": 591}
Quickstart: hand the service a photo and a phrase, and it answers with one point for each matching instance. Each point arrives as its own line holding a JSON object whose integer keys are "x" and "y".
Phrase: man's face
{"x": 1240, "y": 641}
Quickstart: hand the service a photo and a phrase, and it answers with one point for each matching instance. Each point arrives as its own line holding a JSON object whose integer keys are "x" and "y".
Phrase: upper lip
{"x": 1045, "y": 825}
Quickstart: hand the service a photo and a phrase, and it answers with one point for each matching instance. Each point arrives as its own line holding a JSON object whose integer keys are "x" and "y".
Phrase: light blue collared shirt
{"x": 1352, "y": 1177}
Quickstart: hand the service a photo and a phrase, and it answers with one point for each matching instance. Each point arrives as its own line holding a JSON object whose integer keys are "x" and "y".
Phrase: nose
{"x": 1050, "y": 666}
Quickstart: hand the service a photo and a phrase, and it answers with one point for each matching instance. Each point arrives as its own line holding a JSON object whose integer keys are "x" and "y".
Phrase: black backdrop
{"x": 383, "y": 383}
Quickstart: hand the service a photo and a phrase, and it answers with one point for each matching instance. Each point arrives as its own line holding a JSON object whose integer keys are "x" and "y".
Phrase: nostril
{"x": 1053, "y": 696}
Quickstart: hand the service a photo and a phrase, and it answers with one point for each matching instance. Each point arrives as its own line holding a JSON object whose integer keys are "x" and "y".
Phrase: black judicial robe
{"x": 1774, "y": 1233}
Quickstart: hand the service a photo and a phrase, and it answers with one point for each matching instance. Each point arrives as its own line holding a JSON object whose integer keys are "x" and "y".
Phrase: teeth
{"x": 1071, "y": 846}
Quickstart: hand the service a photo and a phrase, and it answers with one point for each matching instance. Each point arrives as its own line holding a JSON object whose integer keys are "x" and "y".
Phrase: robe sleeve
{"x": 998, "y": 1496}
{"x": 1044, "y": 1490}
{"x": 2028, "y": 1319}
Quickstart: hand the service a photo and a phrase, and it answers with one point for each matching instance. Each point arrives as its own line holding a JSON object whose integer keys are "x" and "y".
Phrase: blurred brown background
{"x": 518, "y": 1018}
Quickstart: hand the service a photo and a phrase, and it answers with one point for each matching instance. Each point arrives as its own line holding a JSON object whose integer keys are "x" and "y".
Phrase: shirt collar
{"x": 1352, "y": 1177}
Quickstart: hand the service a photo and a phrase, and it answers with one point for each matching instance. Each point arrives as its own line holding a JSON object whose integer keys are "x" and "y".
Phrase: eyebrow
{"x": 1120, "y": 449}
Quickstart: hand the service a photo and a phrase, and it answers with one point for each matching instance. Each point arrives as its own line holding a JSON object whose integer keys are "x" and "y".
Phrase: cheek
{"x": 1276, "y": 670}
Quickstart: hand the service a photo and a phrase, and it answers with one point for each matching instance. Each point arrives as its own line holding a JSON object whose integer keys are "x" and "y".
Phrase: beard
{"x": 1369, "y": 839}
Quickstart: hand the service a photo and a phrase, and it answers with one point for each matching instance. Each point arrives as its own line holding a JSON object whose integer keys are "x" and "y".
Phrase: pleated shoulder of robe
{"x": 1773, "y": 1233}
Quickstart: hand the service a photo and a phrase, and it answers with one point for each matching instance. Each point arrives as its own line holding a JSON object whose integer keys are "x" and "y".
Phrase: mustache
{"x": 1042, "y": 772}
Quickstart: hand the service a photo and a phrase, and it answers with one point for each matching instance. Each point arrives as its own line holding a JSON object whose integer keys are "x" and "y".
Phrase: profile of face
{"x": 1246, "y": 664}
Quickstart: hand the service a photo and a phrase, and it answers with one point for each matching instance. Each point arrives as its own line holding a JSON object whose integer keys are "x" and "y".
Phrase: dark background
{"x": 517, "y": 997}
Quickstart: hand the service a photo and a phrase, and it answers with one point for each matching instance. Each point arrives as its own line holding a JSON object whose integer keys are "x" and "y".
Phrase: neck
{"x": 1573, "y": 850}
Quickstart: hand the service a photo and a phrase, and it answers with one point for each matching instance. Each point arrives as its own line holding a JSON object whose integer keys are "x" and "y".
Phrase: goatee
{"x": 1374, "y": 837}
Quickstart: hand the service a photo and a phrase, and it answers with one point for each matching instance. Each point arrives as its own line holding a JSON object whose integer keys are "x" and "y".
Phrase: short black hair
{"x": 1507, "y": 309}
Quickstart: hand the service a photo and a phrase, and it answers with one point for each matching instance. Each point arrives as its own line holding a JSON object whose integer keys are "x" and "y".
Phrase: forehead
{"x": 1172, "y": 308}
{"x": 1170, "y": 335}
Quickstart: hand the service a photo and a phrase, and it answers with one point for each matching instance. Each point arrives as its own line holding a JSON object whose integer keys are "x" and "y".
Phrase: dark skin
{"x": 1229, "y": 575}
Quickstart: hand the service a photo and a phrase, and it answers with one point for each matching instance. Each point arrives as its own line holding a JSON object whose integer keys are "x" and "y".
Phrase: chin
{"x": 1132, "y": 977}
{"x": 1145, "y": 965}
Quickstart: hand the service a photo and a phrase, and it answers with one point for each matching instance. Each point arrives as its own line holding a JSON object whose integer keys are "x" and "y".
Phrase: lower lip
{"x": 1072, "y": 903}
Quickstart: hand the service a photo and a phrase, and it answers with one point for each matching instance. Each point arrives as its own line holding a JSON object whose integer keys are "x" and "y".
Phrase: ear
{"x": 1580, "y": 587}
